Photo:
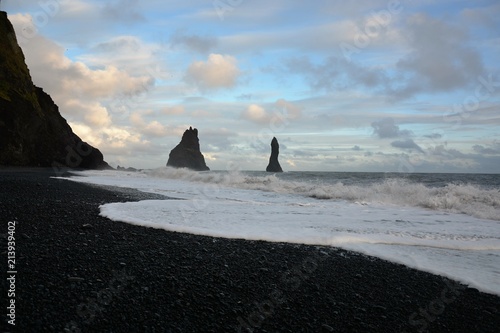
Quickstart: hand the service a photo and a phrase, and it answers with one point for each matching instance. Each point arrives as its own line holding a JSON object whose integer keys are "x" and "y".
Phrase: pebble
{"x": 75, "y": 279}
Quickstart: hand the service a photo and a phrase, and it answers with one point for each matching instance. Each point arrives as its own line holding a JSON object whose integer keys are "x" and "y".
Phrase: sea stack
{"x": 32, "y": 131}
{"x": 187, "y": 153}
{"x": 274, "y": 165}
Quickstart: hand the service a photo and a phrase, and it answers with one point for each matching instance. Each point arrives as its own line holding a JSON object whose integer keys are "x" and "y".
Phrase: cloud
{"x": 107, "y": 82}
{"x": 282, "y": 113}
{"x": 76, "y": 88}
{"x": 321, "y": 34}
{"x": 287, "y": 109}
{"x": 83, "y": 93}
{"x": 127, "y": 44}
{"x": 483, "y": 16}
{"x": 152, "y": 128}
{"x": 406, "y": 144}
{"x": 114, "y": 140}
{"x": 256, "y": 114}
{"x": 439, "y": 59}
{"x": 485, "y": 159}
{"x": 130, "y": 54}
{"x": 386, "y": 128}
{"x": 427, "y": 55}
{"x": 218, "y": 140}
{"x": 332, "y": 73}
{"x": 200, "y": 44}
{"x": 92, "y": 113}
{"x": 493, "y": 149}
{"x": 434, "y": 136}
{"x": 441, "y": 150}
{"x": 219, "y": 71}
{"x": 125, "y": 11}
{"x": 173, "y": 110}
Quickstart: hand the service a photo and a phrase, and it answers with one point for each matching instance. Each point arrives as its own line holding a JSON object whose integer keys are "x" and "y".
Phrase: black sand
{"x": 79, "y": 272}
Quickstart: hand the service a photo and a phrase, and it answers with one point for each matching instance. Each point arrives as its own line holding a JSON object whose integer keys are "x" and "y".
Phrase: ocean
{"x": 446, "y": 224}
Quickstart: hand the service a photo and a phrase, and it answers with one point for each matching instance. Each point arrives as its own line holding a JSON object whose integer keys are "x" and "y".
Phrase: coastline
{"x": 82, "y": 272}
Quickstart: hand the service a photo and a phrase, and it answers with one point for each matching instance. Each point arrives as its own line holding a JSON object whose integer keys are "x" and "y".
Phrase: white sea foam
{"x": 378, "y": 218}
{"x": 457, "y": 198}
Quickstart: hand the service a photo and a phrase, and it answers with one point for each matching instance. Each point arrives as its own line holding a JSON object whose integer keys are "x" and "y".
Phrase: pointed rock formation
{"x": 187, "y": 153}
{"x": 274, "y": 165}
{"x": 32, "y": 131}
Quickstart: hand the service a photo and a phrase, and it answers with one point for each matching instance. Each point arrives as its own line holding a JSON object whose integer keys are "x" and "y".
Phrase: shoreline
{"x": 82, "y": 272}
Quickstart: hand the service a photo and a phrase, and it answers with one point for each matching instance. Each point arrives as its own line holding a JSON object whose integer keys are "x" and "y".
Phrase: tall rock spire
{"x": 274, "y": 165}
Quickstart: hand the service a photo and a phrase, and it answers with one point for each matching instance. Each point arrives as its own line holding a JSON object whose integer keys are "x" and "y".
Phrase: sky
{"x": 384, "y": 86}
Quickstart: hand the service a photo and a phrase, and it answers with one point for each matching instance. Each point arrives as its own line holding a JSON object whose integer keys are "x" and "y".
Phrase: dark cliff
{"x": 187, "y": 153}
{"x": 32, "y": 131}
{"x": 274, "y": 165}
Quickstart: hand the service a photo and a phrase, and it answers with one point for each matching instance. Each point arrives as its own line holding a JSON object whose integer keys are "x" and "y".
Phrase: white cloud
{"x": 282, "y": 112}
{"x": 287, "y": 109}
{"x": 173, "y": 110}
{"x": 256, "y": 114}
{"x": 130, "y": 54}
{"x": 112, "y": 140}
{"x": 92, "y": 113}
{"x": 219, "y": 71}
{"x": 65, "y": 80}
{"x": 81, "y": 92}
{"x": 153, "y": 128}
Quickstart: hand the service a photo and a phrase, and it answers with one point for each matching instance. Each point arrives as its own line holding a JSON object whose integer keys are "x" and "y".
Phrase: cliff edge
{"x": 32, "y": 131}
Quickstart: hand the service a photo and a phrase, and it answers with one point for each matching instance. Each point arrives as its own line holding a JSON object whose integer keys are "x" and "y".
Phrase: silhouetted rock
{"x": 187, "y": 153}
{"x": 32, "y": 131}
{"x": 274, "y": 165}
{"x": 129, "y": 169}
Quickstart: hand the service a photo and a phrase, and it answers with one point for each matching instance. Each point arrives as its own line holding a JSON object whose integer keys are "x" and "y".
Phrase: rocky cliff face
{"x": 187, "y": 153}
{"x": 32, "y": 131}
{"x": 274, "y": 165}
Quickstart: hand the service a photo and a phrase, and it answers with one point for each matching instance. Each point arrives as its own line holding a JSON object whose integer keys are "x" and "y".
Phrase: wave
{"x": 467, "y": 199}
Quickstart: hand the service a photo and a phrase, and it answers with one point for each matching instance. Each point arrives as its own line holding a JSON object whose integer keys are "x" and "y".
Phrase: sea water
{"x": 447, "y": 224}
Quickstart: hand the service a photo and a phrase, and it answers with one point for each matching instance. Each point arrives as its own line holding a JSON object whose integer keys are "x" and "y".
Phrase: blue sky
{"x": 409, "y": 86}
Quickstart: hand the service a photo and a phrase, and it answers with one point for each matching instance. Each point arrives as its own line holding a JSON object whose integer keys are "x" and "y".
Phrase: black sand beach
{"x": 79, "y": 272}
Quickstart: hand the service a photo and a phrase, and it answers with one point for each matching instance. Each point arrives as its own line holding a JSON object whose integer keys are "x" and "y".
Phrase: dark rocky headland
{"x": 32, "y": 131}
{"x": 274, "y": 164}
{"x": 187, "y": 153}
{"x": 79, "y": 272}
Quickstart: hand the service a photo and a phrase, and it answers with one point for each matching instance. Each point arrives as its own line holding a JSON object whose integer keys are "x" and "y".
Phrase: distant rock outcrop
{"x": 32, "y": 131}
{"x": 187, "y": 153}
{"x": 129, "y": 169}
{"x": 274, "y": 165}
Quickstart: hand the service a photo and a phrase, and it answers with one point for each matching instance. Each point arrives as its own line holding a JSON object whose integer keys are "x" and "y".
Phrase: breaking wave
{"x": 470, "y": 199}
